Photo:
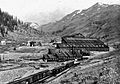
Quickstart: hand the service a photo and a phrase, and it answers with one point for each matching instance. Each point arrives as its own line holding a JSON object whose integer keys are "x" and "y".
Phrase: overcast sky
{"x": 32, "y": 10}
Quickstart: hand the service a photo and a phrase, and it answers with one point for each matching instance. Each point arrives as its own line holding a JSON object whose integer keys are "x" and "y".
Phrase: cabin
{"x": 3, "y": 42}
{"x": 34, "y": 43}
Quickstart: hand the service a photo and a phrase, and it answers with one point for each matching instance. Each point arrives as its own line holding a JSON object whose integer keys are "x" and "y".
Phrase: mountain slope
{"x": 14, "y": 29}
{"x": 100, "y": 20}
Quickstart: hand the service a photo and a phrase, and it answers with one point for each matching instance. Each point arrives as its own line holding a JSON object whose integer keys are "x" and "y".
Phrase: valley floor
{"x": 100, "y": 68}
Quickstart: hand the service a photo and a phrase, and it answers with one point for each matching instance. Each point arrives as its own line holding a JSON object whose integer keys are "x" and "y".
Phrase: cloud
{"x": 42, "y": 18}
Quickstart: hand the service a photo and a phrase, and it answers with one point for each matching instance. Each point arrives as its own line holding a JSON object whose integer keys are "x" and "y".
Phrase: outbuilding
{"x": 3, "y": 42}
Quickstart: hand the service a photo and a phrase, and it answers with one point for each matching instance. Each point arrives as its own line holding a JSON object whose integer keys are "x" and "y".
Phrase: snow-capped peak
{"x": 34, "y": 25}
{"x": 102, "y": 4}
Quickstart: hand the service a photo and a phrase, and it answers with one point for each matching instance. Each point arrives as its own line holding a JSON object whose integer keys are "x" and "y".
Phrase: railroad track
{"x": 109, "y": 58}
{"x": 46, "y": 82}
{"x": 104, "y": 60}
{"x": 62, "y": 73}
{"x": 55, "y": 77}
{"x": 40, "y": 77}
{"x": 43, "y": 76}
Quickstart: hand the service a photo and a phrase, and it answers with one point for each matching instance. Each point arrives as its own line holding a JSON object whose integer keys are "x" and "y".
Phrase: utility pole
{"x": 41, "y": 30}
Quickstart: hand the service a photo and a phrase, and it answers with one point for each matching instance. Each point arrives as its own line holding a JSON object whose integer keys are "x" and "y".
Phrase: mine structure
{"x": 75, "y": 47}
{"x": 89, "y": 44}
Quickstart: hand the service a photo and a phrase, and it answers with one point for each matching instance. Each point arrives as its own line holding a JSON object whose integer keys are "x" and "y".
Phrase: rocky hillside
{"x": 100, "y": 20}
{"x": 14, "y": 29}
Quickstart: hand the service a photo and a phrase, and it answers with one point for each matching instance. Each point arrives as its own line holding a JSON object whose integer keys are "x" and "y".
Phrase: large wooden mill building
{"x": 77, "y": 42}
{"x": 76, "y": 46}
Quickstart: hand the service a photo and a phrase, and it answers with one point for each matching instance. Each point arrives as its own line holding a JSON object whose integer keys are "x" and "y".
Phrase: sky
{"x": 44, "y": 11}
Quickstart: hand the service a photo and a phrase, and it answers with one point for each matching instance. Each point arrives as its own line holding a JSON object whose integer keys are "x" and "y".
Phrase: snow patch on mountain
{"x": 34, "y": 25}
{"x": 102, "y": 4}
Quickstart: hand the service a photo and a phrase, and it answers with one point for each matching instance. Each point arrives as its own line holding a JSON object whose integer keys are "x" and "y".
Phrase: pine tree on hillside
{"x": 7, "y": 23}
